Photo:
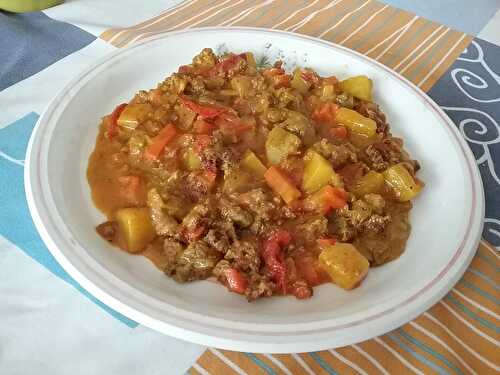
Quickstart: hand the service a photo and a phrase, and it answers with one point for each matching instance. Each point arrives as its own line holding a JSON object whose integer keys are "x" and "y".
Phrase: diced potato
{"x": 318, "y": 172}
{"x": 372, "y": 182}
{"x": 253, "y": 164}
{"x": 134, "y": 114}
{"x": 191, "y": 160}
{"x": 242, "y": 85}
{"x": 358, "y": 86}
{"x": 345, "y": 264}
{"x": 135, "y": 227}
{"x": 280, "y": 144}
{"x": 402, "y": 182}
{"x": 356, "y": 122}
{"x": 362, "y": 141}
{"x": 328, "y": 92}
{"x": 299, "y": 83}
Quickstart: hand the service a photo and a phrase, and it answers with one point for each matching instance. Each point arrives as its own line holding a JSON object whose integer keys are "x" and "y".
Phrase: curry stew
{"x": 270, "y": 182}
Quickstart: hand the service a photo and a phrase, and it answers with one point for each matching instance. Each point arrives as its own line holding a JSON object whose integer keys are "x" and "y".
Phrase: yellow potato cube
{"x": 401, "y": 182}
{"x": 345, "y": 264}
{"x": 253, "y": 164}
{"x": 318, "y": 172}
{"x": 135, "y": 227}
{"x": 359, "y": 86}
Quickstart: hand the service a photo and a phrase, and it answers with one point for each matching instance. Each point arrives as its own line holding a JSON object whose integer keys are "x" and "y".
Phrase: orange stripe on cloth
{"x": 395, "y": 37}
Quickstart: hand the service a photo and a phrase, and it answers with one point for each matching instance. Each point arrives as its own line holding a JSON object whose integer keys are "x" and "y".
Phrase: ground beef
{"x": 171, "y": 249}
{"x": 375, "y": 159}
{"x": 339, "y": 155}
{"x": 218, "y": 240}
{"x": 196, "y": 262}
{"x": 108, "y": 230}
{"x": 245, "y": 256}
{"x": 164, "y": 224}
{"x": 310, "y": 228}
{"x": 259, "y": 286}
{"x": 372, "y": 110}
{"x": 236, "y": 214}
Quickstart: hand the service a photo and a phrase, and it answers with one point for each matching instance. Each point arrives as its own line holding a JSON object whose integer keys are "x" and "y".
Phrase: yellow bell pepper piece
{"x": 135, "y": 227}
{"x": 345, "y": 264}
{"x": 356, "y": 122}
{"x": 372, "y": 182}
{"x": 359, "y": 86}
{"x": 253, "y": 164}
{"x": 401, "y": 182}
{"x": 280, "y": 144}
{"x": 281, "y": 185}
{"x": 134, "y": 114}
{"x": 318, "y": 172}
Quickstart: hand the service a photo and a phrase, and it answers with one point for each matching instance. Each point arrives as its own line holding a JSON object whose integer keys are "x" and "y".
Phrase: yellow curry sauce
{"x": 271, "y": 182}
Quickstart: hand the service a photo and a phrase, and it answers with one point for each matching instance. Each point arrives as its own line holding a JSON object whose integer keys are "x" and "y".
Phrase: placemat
{"x": 460, "y": 334}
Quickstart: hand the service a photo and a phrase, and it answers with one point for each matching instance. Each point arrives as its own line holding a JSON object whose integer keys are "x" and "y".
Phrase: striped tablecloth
{"x": 460, "y": 334}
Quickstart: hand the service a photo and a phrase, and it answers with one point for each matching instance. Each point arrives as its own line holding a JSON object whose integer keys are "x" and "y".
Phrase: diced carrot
{"x": 282, "y": 185}
{"x": 333, "y": 198}
{"x": 339, "y": 132}
{"x": 204, "y": 127}
{"x": 325, "y": 113}
{"x": 131, "y": 189}
{"x": 166, "y": 135}
{"x": 113, "y": 120}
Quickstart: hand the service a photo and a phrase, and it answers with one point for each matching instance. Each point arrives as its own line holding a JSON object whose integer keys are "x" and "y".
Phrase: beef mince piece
{"x": 233, "y": 171}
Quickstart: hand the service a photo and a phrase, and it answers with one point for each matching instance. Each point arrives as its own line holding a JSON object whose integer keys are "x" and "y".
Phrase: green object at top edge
{"x": 21, "y": 6}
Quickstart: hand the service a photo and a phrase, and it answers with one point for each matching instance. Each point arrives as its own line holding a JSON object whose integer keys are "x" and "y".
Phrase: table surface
{"x": 49, "y": 324}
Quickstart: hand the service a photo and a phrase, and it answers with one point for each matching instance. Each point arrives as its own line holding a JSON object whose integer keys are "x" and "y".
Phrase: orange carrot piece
{"x": 282, "y": 185}
{"x": 166, "y": 135}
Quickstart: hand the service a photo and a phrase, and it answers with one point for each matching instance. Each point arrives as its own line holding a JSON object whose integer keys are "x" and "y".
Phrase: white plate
{"x": 446, "y": 218}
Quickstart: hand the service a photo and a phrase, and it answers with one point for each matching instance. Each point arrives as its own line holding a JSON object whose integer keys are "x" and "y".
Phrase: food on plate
{"x": 271, "y": 182}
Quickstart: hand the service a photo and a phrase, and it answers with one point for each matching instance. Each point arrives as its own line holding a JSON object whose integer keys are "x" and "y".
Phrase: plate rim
{"x": 467, "y": 246}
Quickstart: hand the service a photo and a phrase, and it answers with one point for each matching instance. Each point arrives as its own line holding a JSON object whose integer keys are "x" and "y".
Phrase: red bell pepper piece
{"x": 236, "y": 282}
{"x": 204, "y": 111}
{"x": 113, "y": 120}
{"x": 273, "y": 257}
{"x": 166, "y": 135}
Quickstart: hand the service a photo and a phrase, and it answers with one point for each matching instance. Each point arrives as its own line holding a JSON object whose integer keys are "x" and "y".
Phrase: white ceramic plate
{"x": 446, "y": 218}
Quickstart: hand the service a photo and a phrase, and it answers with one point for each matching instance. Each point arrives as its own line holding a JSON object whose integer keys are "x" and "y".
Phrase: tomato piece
{"x": 205, "y": 111}
{"x": 131, "y": 189}
{"x": 236, "y": 282}
{"x": 282, "y": 80}
{"x": 112, "y": 129}
{"x": 332, "y": 198}
{"x": 185, "y": 69}
{"x": 232, "y": 125}
{"x": 339, "y": 132}
{"x": 274, "y": 258}
{"x": 273, "y": 72}
{"x": 195, "y": 233}
{"x": 201, "y": 142}
{"x": 204, "y": 127}
{"x": 230, "y": 62}
{"x": 309, "y": 76}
